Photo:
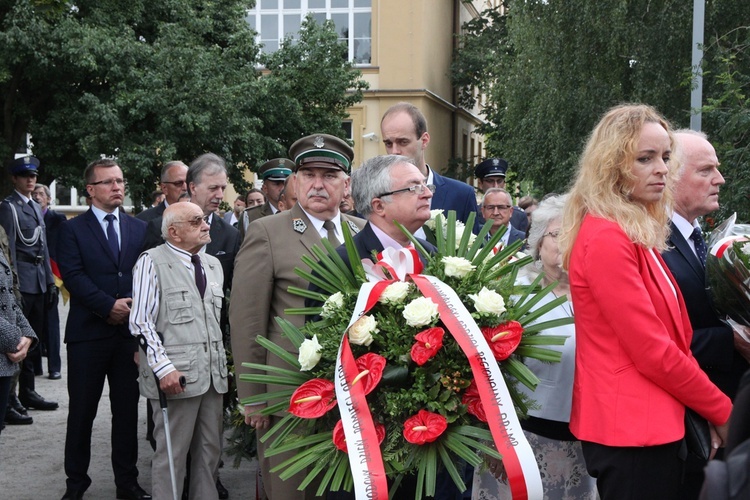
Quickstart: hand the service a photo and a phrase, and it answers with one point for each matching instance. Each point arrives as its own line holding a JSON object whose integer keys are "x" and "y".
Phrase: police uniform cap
{"x": 322, "y": 151}
{"x": 277, "y": 169}
{"x": 24, "y": 165}
{"x": 491, "y": 167}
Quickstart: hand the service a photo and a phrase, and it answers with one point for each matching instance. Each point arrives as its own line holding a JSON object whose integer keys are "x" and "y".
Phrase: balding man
{"x": 498, "y": 208}
{"x": 719, "y": 350}
{"x": 177, "y": 301}
{"x": 172, "y": 184}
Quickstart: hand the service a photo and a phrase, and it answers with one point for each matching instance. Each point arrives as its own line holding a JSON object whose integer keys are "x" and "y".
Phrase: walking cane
{"x": 165, "y": 414}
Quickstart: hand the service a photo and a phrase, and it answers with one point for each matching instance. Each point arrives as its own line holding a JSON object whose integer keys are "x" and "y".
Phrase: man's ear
{"x": 378, "y": 206}
{"x": 425, "y": 140}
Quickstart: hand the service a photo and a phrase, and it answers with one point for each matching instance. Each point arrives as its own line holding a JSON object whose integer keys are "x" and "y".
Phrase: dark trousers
{"x": 4, "y": 391}
{"x": 635, "y": 473}
{"x": 52, "y": 337}
{"x": 33, "y": 309}
{"x": 89, "y": 363}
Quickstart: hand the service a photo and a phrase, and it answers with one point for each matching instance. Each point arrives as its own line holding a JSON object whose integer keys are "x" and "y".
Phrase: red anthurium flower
{"x": 503, "y": 339}
{"x": 473, "y": 402}
{"x": 339, "y": 438}
{"x": 428, "y": 344}
{"x": 424, "y": 427}
{"x": 370, "y": 367}
{"x": 313, "y": 399}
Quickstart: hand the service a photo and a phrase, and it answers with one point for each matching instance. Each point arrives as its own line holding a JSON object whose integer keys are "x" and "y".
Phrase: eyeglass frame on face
{"x": 553, "y": 234}
{"x": 109, "y": 182}
{"x": 177, "y": 184}
{"x": 416, "y": 188}
{"x": 195, "y": 221}
{"x": 492, "y": 208}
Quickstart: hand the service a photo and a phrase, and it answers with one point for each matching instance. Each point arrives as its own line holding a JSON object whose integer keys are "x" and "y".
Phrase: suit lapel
{"x": 216, "y": 233}
{"x": 683, "y": 247}
{"x": 663, "y": 281}
{"x": 438, "y": 198}
{"x": 301, "y": 224}
{"x": 98, "y": 232}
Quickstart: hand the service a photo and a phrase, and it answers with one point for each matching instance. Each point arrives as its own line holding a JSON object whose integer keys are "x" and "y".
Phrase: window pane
{"x": 292, "y": 4}
{"x": 362, "y": 51}
{"x": 291, "y": 25}
{"x": 269, "y": 27}
{"x": 339, "y": 4}
{"x": 342, "y": 25}
{"x": 362, "y": 3}
{"x": 316, "y": 4}
{"x": 362, "y": 25}
{"x": 270, "y": 46}
{"x": 268, "y": 4}
{"x": 320, "y": 17}
{"x": 348, "y": 129}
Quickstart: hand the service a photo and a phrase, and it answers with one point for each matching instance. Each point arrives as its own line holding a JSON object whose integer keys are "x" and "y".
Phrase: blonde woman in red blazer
{"x": 634, "y": 371}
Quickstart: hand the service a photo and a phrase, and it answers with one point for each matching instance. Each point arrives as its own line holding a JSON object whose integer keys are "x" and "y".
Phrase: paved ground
{"x": 31, "y": 456}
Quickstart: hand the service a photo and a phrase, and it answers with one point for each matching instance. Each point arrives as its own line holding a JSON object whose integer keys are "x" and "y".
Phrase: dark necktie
{"x": 114, "y": 245}
{"x": 200, "y": 278}
{"x": 700, "y": 245}
{"x": 33, "y": 209}
{"x": 330, "y": 227}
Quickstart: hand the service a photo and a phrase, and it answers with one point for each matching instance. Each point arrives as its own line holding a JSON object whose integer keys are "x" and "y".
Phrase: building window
{"x": 276, "y": 19}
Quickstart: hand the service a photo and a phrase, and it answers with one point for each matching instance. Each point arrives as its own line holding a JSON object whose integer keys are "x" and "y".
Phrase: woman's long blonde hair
{"x": 605, "y": 181}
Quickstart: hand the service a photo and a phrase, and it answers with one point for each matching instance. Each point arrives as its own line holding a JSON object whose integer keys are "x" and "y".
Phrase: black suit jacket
{"x": 53, "y": 220}
{"x": 92, "y": 275}
{"x": 152, "y": 213}
{"x": 713, "y": 340}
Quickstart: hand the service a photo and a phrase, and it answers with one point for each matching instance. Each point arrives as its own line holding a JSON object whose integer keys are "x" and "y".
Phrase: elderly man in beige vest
{"x": 177, "y": 301}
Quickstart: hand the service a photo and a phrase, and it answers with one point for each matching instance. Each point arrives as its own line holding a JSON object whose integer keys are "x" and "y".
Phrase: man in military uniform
{"x": 273, "y": 173}
{"x": 23, "y": 222}
{"x": 491, "y": 174}
{"x": 265, "y": 269}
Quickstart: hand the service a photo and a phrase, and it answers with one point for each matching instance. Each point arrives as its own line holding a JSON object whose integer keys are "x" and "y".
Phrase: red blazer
{"x": 634, "y": 370}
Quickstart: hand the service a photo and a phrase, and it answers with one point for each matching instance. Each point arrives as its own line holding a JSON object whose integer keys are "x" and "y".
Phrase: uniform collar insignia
{"x": 299, "y": 225}
{"x": 353, "y": 227}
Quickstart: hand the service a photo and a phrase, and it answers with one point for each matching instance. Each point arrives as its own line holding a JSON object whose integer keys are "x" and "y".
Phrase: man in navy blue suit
{"x": 498, "y": 208}
{"x": 719, "y": 350}
{"x": 404, "y": 130}
{"x": 491, "y": 174}
{"x": 96, "y": 252}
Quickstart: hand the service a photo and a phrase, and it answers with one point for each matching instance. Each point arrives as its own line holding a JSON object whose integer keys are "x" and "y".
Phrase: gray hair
{"x": 550, "y": 209}
{"x": 678, "y": 148}
{"x": 47, "y": 192}
{"x": 496, "y": 191}
{"x": 167, "y": 220}
{"x": 208, "y": 164}
{"x": 372, "y": 179}
{"x": 167, "y": 167}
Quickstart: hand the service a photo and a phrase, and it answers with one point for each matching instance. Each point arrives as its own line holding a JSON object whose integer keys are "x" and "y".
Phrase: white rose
{"x": 420, "y": 312}
{"x": 309, "y": 354}
{"x": 395, "y": 293}
{"x": 433, "y": 218}
{"x": 361, "y": 331}
{"x": 335, "y": 301}
{"x": 488, "y": 301}
{"x": 746, "y": 248}
{"x": 457, "y": 267}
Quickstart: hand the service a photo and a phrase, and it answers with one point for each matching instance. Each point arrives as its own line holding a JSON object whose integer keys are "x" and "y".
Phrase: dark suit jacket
{"x": 713, "y": 340}
{"x": 53, "y": 220}
{"x": 152, "y": 213}
{"x": 252, "y": 214}
{"x": 451, "y": 194}
{"x": 93, "y": 276}
{"x": 32, "y": 278}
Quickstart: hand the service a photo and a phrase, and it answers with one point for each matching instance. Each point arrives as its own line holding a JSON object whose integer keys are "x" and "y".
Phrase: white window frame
{"x": 254, "y": 19}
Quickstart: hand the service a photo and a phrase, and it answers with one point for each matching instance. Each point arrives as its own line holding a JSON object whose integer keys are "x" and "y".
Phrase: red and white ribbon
{"x": 365, "y": 459}
{"x": 720, "y": 247}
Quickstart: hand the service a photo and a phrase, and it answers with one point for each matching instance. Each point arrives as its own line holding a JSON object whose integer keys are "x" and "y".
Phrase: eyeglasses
{"x": 177, "y": 184}
{"x": 416, "y": 188}
{"x": 552, "y": 234}
{"x": 195, "y": 221}
{"x": 109, "y": 182}
{"x": 492, "y": 208}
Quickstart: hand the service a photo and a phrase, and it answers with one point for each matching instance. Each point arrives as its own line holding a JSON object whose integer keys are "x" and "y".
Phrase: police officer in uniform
{"x": 491, "y": 174}
{"x": 273, "y": 173}
{"x": 22, "y": 220}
